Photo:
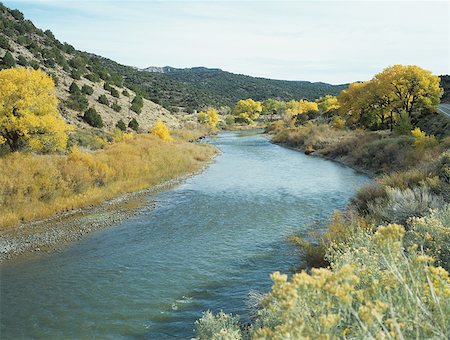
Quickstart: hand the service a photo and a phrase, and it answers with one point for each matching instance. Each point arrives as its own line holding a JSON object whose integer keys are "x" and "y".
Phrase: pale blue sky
{"x": 335, "y": 42}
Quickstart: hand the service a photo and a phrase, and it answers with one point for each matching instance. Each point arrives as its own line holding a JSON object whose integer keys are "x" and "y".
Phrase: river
{"x": 206, "y": 245}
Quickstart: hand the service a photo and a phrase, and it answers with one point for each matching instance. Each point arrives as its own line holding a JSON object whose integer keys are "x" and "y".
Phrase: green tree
{"x": 116, "y": 107}
{"x": 4, "y": 43}
{"x": 133, "y": 124}
{"x": 107, "y": 87}
{"x": 75, "y": 74}
{"x": 78, "y": 102}
{"x": 93, "y": 118}
{"x": 21, "y": 60}
{"x": 137, "y": 103}
{"x": 273, "y": 106}
{"x": 74, "y": 89}
{"x": 121, "y": 125}
{"x": 8, "y": 60}
{"x": 114, "y": 92}
{"x": 94, "y": 77}
{"x": 86, "y": 89}
{"x": 103, "y": 100}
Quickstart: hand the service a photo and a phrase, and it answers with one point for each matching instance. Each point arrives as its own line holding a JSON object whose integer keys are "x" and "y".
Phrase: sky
{"x": 329, "y": 41}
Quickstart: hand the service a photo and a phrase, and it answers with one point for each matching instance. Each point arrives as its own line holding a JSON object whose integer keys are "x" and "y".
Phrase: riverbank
{"x": 374, "y": 153}
{"x": 50, "y": 200}
{"x": 53, "y": 233}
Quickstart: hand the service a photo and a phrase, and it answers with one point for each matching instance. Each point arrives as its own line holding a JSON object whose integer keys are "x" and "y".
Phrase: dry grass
{"x": 37, "y": 186}
{"x": 371, "y": 151}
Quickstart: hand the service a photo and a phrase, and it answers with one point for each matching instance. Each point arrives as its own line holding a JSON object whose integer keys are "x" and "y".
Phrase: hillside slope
{"x": 233, "y": 87}
{"x": 195, "y": 88}
{"x": 22, "y": 44}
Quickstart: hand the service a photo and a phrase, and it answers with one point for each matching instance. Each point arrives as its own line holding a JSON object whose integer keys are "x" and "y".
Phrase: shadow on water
{"x": 207, "y": 243}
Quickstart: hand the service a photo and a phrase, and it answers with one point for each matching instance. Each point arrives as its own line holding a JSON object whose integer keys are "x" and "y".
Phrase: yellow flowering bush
{"x": 374, "y": 288}
{"x": 161, "y": 130}
{"x": 432, "y": 234}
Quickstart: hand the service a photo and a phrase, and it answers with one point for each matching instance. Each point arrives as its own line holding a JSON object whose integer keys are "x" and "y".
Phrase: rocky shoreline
{"x": 51, "y": 234}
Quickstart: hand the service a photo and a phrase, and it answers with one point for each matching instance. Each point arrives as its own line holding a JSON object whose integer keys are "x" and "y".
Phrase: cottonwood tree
{"x": 29, "y": 117}
{"x": 398, "y": 90}
{"x": 210, "y": 117}
{"x": 247, "y": 110}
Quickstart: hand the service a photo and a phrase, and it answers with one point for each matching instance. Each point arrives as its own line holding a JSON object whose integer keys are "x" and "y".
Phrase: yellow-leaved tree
{"x": 328, "y": 103}
{"x": 29, "y": 117}
{"x": 210, "y": 117}
{"x": 247, "y": 110}
{"x": 397, "y": 92}
{"x": 161, "y": 130}
{"x": 294, "y": 108}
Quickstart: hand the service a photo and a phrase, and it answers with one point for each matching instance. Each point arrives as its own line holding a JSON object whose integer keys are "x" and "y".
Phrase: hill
{"x": 233, "y": 87}
{"x": 195, "y": 88}
{"x": 81, "y": 81}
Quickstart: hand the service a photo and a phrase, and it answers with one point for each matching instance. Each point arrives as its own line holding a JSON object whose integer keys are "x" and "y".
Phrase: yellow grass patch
{"x": 37, "y": 186}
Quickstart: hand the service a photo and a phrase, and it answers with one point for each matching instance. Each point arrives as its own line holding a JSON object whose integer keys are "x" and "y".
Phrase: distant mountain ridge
{"x": 170, "y": 69}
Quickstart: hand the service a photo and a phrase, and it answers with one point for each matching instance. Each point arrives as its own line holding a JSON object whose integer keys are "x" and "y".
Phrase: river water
{"x": 208, "y": 243}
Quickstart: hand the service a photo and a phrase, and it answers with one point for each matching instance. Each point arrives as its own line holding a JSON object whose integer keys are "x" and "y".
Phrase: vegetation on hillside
{"x": 81, "y": 80}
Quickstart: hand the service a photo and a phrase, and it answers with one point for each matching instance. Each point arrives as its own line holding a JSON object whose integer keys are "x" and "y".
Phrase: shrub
{"x": 21, "y": 60}
{"x": 86, "y": 89}
{"x": 121, "y": 125}
{"x": 107, "y": 87}
{"x": 229, "y": 119}
{"x": 75, "y": 74}
{"x": 220, "y": 326}
{"x": 8, "y": 60}
{"x": 404, "y": 125}
{"x": 337, "y": 122}
{"x": 399, "y": 204}
{"x": 125, "y": 93}
{"x": 114, "y": 92}
{"x": 422, "y": 140}
{"x": 137, "y": 103}
{"x": 161, "y": 130}
{"x": 133, "y": 124}
{"x": 94, "y": 77}
{"x": 4, "y": 43}
{"x": 116, "y": 107}
{"x": 77, "y": 102}
{"x": 432, "y": 234}
{"x": 372, "y": 290}
{"x": 74, "y": 89}
{"x": 93, "y": 118}
{"x": 103, "y": 100}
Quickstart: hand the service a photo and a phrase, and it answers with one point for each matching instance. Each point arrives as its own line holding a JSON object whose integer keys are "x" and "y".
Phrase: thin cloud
{"x": 333, "y": 41}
